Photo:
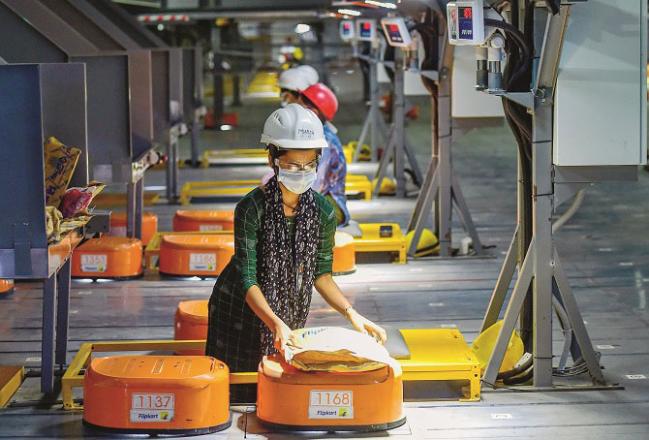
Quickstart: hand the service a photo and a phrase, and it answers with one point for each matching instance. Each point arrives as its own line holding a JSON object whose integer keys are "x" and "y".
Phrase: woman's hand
{"x": 365, "y": 326}
{"x": 283, "y": 336}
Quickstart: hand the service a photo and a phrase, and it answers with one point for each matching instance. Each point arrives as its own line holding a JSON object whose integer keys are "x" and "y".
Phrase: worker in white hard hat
{"x": 284, "y": 238}
{"x": 310, "y": 74}
{"x": 291, "y": 83}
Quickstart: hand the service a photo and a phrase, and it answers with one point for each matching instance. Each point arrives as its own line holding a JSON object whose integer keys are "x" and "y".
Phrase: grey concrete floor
{"x": 604, "y": 249}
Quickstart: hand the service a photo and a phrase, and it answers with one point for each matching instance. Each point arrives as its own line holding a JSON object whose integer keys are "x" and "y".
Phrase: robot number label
{"x": 148, "y": 408}
{"x": 331, "y": 404}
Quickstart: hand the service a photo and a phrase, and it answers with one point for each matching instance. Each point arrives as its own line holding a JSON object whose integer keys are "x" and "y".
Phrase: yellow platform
{"x": 382, "y": 237}
{"x": 152, "y": 250}
{"x": 356, "y": 187}
{"x": 441, "y": 354}
{"x": 11, "y": 377}
{"x": 438, "y": 354}
{"x": 112, "y": 200}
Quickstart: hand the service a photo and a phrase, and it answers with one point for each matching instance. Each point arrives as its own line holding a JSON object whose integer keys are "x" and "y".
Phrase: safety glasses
{"x": 293, "y": 166}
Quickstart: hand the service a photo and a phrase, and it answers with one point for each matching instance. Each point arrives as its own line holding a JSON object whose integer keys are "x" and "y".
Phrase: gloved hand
{"x": 365, "y": 326}
{"x": 283, "y": 336}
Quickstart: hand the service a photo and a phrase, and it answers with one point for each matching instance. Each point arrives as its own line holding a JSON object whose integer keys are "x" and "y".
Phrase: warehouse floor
{"x": 604, "y": 249}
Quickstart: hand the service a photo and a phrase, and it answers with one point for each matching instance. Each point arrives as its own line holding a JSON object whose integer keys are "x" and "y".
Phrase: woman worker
{"x": 284, "y": 237}
{"x": 332, "y": 171}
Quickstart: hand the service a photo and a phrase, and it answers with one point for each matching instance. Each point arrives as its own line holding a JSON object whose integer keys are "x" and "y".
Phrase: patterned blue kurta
{"x": 332, "y": 172}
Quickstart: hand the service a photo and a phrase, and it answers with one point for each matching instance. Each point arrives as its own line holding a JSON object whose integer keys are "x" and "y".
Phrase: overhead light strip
{"x": 349, "y": 12}
{"x": 381, "y": 4}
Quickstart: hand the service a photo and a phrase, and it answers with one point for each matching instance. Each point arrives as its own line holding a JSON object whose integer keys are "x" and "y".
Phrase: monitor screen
{"x": 394, "y": 33}
{"x": 366, "y": 30}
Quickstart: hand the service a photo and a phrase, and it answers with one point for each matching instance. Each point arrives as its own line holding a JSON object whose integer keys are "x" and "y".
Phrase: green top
{"x": 247, "y": 227}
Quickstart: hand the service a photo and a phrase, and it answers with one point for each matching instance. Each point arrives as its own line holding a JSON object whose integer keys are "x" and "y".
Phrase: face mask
{"x": 283, "y": 103}
{"x": 297, "y": 182}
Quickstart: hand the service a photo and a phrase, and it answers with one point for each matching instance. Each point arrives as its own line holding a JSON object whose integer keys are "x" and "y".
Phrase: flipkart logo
{"x": 164, "y": 415}
{"x": 343, "y": 412}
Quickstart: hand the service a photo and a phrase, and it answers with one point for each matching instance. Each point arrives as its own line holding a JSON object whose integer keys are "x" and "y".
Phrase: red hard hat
{"x": 323, "y": 98}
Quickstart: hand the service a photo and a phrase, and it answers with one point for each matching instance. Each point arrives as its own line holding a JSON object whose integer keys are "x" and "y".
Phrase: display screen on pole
{"x": 465, "y": 23}
{"x": 396, "y": 32}
{"x": 346, "y": 30}
{"x": 366, "y": 30}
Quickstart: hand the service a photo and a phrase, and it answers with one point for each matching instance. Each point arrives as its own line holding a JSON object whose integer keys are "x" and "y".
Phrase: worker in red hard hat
{"x": 332, "y": 171}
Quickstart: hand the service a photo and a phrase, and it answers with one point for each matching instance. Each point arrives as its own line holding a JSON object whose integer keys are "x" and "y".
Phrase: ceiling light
{"x": 302, "y": 28}
{"x": 381, "y": 4}
{"x": 349, "y": 12}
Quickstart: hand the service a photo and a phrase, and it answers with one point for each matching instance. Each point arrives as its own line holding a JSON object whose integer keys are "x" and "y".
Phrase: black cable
{"x": 517, "y": 380}
{"x": 517, "y": 369}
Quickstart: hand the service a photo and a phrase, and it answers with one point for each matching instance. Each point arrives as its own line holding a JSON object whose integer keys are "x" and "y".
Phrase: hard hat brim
{"x": 294, "y": 144}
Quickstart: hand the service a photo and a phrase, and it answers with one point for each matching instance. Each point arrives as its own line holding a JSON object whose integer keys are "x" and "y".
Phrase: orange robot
{"x": 149, "y": 225}
{"x": 108, "y": 257}
{"x": 204, "y": 221}
{"x": 344, "y": 254}
{"x": 6, "y": 286}
{"x": 191, "y": 323}
{"x": 195, "y": 255}
{"x": 157, "y": 395}
{"x": 288, "y": 398}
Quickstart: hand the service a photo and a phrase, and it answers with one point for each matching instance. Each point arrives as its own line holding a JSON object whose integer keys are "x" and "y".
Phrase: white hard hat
{"x": 293, "y": 79}
{"x": 294, "y": 128}
{"x": 310, "y": 73}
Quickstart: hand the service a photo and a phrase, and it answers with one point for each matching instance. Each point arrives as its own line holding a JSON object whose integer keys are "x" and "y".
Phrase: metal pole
{"x": 196, "y": 127}
{"x": 542, "y": 230}
{"x": 509, "y": 320}
{"x": 388, "y": 153}
{"x": 48, "y": 331}
{"x": 375, "y": 114}
{"x": 373, "y": 118}
{"x": 443, "y": 207}
{"x": 236, "y": 90}
{"x": 139, "y": 207}
{"x": 502, "y": 285}
{"x": 130, "y": 209}
{"x": 171, "y": 164}
{"x": 577, "y": 322}
{"x": 62, "y": 314}
{"x": 399, "y": 129}
{"x": 543, "y": 196}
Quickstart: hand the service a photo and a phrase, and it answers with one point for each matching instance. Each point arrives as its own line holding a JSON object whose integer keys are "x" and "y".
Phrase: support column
{"x": 47, "y": 337}
{"x": 443, "y": 205}
{"x": 62, "y": 314}
{"x": 399, "y": 128}
{"x": 543, "y": 255}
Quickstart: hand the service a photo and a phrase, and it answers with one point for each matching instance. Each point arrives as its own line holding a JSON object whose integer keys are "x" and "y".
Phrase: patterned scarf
{"x": 288, "y": 268}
